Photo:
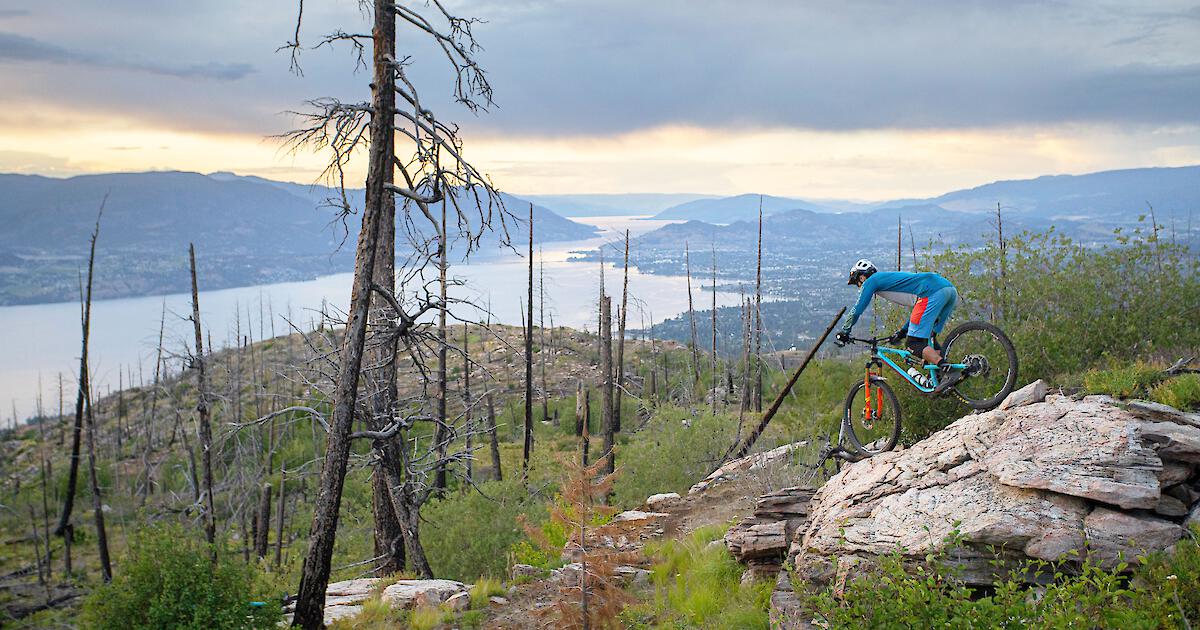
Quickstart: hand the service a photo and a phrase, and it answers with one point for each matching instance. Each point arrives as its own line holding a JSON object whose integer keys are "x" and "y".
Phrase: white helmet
{"x": 863, "y": 268}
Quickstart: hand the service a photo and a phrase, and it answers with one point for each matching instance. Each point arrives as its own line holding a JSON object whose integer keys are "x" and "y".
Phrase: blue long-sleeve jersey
{"x": 900, "y": 287}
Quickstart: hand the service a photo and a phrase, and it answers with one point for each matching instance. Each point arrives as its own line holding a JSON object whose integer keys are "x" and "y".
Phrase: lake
{"x": 43, "y": 339}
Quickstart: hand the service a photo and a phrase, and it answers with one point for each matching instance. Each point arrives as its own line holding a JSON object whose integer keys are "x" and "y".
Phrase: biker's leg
{"x": 950, "y": 297}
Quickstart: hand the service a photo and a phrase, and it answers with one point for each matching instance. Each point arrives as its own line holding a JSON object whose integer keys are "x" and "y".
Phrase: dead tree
{"x": 264, "y": 522}
{"x": 713, "y": 363}
{"x": 606, "y": 380}
{"x": 64, "y": 527}
{"x": 580, "y": 407}
{"x": 441, "y": 430}
{"x": 758, "y": 327}
{"x": 542, "y": 332}
{"x": 434, "y": 171}
{"x": 620, "y": 370}
{"x": 97, "y": 500}
{"x": 527, "y": 450}
{"x": 198, "y": 361}
{"x": 467, "y": 405}
{"x": 687, "y": 265}
{"x": 493, "y": 440}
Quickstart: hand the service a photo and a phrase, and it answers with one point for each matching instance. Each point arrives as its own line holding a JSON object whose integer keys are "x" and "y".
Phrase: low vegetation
{"x": 1149, "y": 592}
{"x": 697, "y": 584}
{"x": 171, "y": 579}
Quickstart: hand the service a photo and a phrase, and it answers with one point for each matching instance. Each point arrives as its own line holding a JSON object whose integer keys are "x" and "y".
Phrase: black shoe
{"x": 950, "y": 379}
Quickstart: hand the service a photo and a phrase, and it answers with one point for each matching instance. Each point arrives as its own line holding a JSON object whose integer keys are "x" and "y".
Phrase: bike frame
{"x": 894, "y": 357}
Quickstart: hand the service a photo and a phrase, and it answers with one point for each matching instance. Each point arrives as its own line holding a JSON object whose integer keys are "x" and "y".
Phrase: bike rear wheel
{"x": 992, "y": 364}
{"x": 879, "y": 431}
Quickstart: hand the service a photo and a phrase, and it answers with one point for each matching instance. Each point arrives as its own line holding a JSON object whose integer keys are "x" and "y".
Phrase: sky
{"x": 852, "y": 99}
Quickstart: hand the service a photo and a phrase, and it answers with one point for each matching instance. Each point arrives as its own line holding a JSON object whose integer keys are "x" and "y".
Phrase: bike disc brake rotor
{"x": 977, "y": 365}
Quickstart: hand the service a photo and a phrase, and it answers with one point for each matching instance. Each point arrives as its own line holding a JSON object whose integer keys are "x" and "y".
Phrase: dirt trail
{"x": 718, "y": 504}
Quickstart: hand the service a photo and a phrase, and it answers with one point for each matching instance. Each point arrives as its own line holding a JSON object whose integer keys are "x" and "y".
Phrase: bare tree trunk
{"x": 210, "y": 522}
{"x": 64, "y": 521}
{"x": 744, "y": 449}
{"x": 310, "y": 602}
{"x": 606, "y": 370}
{"x": 580, "y": 407}
{"x": 758, "y": 327}
{"x": 528, "y": 449}
{"x": 713, "y": 362}
{"x": 542, "y": 331}
{"x": 382, "y": 387}
{"x": 687, "y": 264}
{"x": 148, "y": 482}
{"x": 441, "y": 432}
{"x": 899, "y": 243}
{"x": 620, "y": 372}
{"x": 467, "y": 411}
{"x": 279, "y": 515}
{"x": 747, "y": 333}
{"x": 587, "y": 421}
{"x": 264, "y": 522}
{"x": 493, "y": 439}
{"x": 97, "y": 501}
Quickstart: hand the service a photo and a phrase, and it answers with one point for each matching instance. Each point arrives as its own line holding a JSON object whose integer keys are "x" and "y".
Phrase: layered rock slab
{"x": 1038, "y": 479}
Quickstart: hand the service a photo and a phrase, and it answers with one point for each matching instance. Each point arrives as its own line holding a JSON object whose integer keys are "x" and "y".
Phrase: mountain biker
{"x": 932, "y": 299}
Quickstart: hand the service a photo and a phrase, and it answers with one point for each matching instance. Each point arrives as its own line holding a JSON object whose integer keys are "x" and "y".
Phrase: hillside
{"x": 247, "y": 230}
{"x": 614, "y": 204}
{"x": 1107, "y": 196}
{"x": 736, "y": 208}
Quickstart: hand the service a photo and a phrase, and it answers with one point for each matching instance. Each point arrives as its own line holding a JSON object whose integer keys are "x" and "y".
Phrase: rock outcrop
{"x": 1040, "y": 477}
{"x": 761, "y": 541}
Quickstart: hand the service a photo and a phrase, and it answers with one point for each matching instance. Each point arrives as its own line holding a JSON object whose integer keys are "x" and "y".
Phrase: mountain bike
{"x": 981, "y": 350}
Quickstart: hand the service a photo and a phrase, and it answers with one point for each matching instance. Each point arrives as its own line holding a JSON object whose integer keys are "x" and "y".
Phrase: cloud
{"x": 583, "y": 68}
{"x": 18, "y": 48}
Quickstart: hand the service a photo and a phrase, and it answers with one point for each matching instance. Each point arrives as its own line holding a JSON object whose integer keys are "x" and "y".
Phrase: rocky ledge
{"x": 1042, "y": 477}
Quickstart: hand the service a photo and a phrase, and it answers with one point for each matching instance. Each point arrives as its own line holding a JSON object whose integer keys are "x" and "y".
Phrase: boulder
{"x": 525, "y": 571}
{"x": 1036, "y": 480}
{"x": 657, "y": 501}
{"x": 459, "y": 602}
{"x": 1034, "y": 392}
{"x": 413, "y": 593}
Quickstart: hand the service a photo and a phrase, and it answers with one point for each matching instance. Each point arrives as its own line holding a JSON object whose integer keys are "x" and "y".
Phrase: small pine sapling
{"x": 591, "y": 596}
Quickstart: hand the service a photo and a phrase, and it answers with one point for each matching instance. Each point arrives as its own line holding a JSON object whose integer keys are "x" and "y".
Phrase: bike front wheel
{"x": 991, "y": 362}
{"x": 873, "y": 426}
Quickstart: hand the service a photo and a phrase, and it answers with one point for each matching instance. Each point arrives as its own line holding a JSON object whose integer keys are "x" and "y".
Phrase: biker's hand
{"x": 841, "y": 339}
{"x": 899, "y": 335}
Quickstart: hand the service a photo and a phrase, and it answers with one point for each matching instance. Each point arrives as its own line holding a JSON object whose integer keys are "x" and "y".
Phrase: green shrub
{"x": 670, "y": 456}
{"x": 1156, "y": 593}
{"x": 1064, "y": 303}
{"x": 1127, "y": 381}
{"x": 168, "y": 581}
{"x": 699, "y": 586}
{"x": 468, "y": 535}
{"x": 1181, "y": 392}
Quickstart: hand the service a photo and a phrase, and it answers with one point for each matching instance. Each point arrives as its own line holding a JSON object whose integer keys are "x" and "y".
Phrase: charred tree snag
{"x": 620, "y": 374}
{"x": 64, "y": 521}
{"x": 210, "y": 522}
{"x": 606, "y": 370}
{"x": 527, "y": 452}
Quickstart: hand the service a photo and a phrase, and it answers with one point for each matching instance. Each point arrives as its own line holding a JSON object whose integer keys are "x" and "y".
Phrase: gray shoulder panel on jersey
{"x": 904, "y": 299}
